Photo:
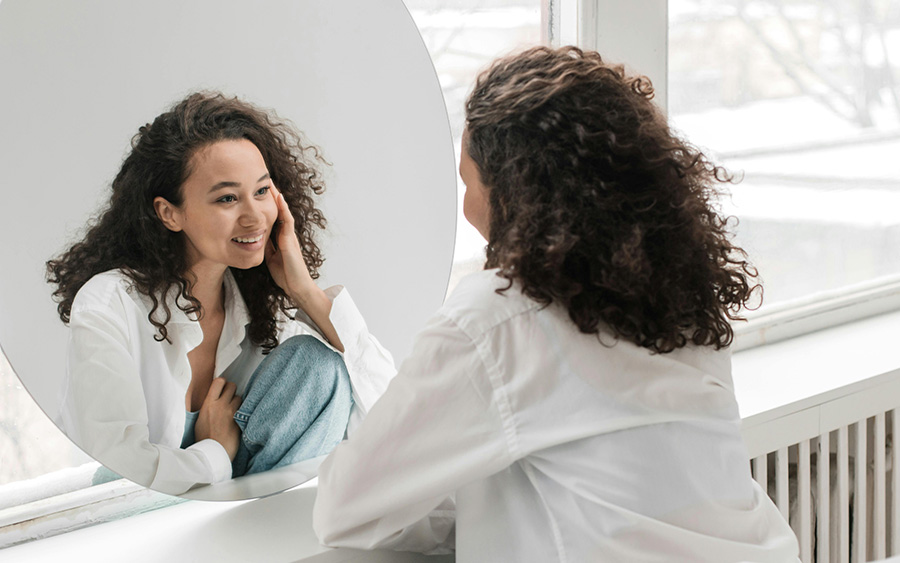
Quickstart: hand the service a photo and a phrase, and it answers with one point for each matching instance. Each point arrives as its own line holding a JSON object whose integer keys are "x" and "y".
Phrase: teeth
{"x": 248, "y": 240}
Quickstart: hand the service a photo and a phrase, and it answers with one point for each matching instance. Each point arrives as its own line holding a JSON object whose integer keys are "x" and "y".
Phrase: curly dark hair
{"x": 128, "y": 235}
{"x": 597, "y": 205}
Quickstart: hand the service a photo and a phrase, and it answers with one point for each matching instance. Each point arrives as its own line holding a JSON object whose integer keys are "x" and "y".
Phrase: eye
{"x": 263, "y": 191}
{"x": 226, "y": 199}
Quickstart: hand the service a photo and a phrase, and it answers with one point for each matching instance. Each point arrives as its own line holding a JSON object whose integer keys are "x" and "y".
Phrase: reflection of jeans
{"x": 296, "y": 406}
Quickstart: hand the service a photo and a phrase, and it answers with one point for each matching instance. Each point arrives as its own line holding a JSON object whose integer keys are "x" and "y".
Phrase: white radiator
{"x": 845, "y": 510}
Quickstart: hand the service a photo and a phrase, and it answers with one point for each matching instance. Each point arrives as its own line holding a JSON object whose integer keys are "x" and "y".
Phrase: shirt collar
{"x": 187, "y": 328}
{"x": 236, "y": 313}
{"x": 237, "y": 317}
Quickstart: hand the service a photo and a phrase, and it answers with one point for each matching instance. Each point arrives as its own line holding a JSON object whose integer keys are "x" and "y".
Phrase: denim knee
{"x": 296, "y": 405}
{"x": 308, "y": 354}
{"x": 300, "y": 364}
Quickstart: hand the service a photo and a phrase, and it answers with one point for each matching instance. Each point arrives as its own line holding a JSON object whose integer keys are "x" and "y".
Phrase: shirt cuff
{"x": 347, "y": 320}
{"x": 216, "y": 458}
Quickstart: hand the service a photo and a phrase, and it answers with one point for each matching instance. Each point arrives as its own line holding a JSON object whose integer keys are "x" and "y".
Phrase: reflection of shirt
{"x": 124, "y": 393}
{"x": 555, "y": 445}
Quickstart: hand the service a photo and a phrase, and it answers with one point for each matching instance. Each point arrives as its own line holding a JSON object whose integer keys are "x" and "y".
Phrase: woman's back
{"x": 621, "y": 451}
{"x": 572, "y": 449}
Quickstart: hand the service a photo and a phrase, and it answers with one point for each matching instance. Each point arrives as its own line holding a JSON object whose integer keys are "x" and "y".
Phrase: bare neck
{"x": 209, "y": 289}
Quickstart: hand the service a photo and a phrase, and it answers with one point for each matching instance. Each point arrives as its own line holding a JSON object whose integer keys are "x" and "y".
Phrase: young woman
{"x": 573, "y": 401}
{"x": 200, "y": 346}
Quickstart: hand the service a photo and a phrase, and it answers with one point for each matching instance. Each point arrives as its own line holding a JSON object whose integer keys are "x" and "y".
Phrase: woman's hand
{"x": 288, "y": 269}
{"x": 216, "y": 418}
{"x": 284, "y": 257}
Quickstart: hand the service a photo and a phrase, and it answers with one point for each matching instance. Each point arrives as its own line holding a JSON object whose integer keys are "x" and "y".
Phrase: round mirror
{"x": 354, "y": 77}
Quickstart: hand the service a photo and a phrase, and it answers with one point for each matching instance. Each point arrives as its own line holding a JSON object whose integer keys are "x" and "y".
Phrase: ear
{"x": 168, "y": 213}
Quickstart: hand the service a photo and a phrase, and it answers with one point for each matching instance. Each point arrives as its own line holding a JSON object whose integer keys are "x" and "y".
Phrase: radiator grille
{"x": 845, "y": 510}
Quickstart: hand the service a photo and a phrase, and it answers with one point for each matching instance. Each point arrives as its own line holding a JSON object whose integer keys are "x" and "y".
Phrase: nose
{"x": 252, "y": 213}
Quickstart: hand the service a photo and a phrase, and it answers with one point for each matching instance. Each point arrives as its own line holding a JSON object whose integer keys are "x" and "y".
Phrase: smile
{"x": 248, "y": 240}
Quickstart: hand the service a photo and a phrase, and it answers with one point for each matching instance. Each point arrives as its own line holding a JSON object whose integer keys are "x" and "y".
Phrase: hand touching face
{"x": 284, "y": 256}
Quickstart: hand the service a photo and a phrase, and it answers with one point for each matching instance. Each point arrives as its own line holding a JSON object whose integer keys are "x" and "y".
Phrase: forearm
{"x": 317, "y": 307}
{"x": 434, "y": 430}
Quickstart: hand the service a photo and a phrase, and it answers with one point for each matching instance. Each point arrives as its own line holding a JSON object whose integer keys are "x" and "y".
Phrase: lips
{"x": 250, "y": 238}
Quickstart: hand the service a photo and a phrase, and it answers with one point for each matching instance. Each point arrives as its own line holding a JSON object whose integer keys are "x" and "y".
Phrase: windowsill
{"x": 770, "y": 381}
{"x": 275, "y": 529}
{"x": 792, "y": 373}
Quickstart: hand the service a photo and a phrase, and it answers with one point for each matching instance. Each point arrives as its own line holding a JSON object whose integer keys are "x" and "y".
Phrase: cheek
{"x": 474, "y": 204}
{"x": 472, "y": 210}
{"x": 270, "y": 211}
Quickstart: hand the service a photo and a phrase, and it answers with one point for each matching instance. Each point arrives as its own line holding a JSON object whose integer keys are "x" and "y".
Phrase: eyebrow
{"x": 228, "y": 184}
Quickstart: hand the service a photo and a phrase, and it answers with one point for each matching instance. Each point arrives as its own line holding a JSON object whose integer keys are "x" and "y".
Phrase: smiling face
{"x": 227, "y": 210}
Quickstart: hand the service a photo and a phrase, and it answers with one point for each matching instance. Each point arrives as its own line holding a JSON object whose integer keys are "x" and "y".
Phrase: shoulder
{"x": 103, "y": 291}
{"x": 477, "y": 307}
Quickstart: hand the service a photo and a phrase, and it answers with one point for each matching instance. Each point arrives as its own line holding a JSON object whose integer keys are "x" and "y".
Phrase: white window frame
{"x": 636, "y": 33}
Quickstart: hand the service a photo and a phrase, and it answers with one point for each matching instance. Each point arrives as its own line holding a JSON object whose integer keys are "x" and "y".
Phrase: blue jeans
{"x": 295, "y": 407}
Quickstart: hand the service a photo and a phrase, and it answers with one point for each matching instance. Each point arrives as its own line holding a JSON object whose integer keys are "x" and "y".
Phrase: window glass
{"x": 464, "y": 36}
{"x": 800, "y": 98}
{"x": 31, "y": 444}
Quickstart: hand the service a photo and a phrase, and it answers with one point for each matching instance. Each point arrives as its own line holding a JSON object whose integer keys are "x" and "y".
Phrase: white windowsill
{"x": 769, "y": 381}
{"x": 788, "y": 374}
{"x": 276, "y": 529}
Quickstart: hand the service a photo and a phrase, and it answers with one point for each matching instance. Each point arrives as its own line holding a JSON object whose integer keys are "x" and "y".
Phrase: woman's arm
{"x": 105, "y": 412}
{"x": 370, "y": 365}
{"x": 438, "y": 427}
{"x": 333, "y": 314}
{"x": 288, "y": 268}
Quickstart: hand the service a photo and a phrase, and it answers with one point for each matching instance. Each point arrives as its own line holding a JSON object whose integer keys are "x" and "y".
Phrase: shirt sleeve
{"x": 105, "y": 412}
{"x": 438, "y": 427}
{"x": 369, "y": 364}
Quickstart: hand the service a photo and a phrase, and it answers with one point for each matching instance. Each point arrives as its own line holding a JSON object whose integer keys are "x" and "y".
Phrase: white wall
{"x": 79, "y": 78}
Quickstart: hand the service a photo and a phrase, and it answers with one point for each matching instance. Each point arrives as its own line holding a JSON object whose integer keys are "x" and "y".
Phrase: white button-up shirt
{"x": 557, "y": 446}
{"x": 124, "y": 395}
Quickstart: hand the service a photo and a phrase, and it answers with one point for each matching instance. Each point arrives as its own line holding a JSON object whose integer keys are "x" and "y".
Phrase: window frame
{"x": 637, "y": 33}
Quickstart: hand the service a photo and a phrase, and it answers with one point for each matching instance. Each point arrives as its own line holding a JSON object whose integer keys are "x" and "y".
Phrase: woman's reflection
{"x": 201, "y": 347}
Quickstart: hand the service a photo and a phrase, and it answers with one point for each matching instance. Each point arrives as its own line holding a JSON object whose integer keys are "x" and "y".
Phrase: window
{"x": 800, "y": 98}
{"x": 32, "y": 446}
{"x": 463, "y": 36}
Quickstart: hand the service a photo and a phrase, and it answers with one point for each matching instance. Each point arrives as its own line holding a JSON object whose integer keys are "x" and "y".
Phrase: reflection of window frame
{"x": 77, "y": 508}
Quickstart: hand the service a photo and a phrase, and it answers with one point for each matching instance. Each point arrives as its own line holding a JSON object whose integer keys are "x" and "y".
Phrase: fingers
{"x": 284, "y": 211}
{"x": 221, "y": 389}
{"x": 215, "y": 389}
{"x": 228, "y": 391}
